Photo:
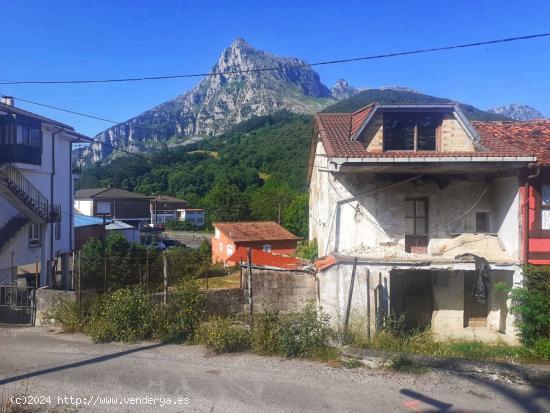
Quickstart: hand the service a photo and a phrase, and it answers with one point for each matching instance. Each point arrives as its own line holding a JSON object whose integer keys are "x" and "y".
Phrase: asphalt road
{"x": 189, "y": 238}
{"x": 39, "y": 364}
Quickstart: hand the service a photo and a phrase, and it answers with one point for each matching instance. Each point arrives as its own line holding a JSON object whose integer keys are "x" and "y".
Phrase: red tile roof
{"x": 335, "y": 132}
{"x": 532, "y": 136}
{"x": 254, "y": 231}
{"x": 358, "y": 117}
{"x": 265, "y": 259}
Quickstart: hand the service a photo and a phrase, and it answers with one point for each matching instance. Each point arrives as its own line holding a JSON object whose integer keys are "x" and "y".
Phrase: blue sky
{"x": 104, "y": 39}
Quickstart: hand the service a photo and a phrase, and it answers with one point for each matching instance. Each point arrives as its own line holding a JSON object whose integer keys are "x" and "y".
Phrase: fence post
{"x": 165, "y": 272}
{"x": 206, "y": 272}
{"x": 251, "y": 305}
{"x": 147, "y": 270}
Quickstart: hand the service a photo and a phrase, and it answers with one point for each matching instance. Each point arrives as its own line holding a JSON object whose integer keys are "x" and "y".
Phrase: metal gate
{"x": 17, "y": 305}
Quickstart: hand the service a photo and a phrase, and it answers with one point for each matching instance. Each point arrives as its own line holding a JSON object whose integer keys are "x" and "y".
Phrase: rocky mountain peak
{"x": 517, "y": 111}
{"x": 219, "y": 101}
{"x": 342, "y": 90}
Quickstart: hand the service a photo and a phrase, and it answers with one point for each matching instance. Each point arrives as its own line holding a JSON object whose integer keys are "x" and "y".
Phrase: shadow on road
{"x": 533, "y": 402}
{"x": 76, "y": 364}
{"x": 419, "y": 397}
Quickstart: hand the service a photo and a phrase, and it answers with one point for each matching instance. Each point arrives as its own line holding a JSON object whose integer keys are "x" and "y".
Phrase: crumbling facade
{"x": 425, "y": 211}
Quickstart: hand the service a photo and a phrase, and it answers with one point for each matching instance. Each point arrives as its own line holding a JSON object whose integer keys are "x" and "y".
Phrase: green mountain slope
{"x": 394, "y": 97}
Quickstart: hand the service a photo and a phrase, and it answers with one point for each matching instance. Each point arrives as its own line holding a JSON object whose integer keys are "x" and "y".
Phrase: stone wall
{"x": 46, "y": 300}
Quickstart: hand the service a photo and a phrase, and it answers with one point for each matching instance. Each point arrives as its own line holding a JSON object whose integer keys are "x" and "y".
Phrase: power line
{"x": 275, "y": 68}
{"x": 64, "y": 110}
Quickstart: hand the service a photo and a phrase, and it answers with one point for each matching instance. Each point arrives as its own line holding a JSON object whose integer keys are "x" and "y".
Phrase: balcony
{"x": 21, "y": 154}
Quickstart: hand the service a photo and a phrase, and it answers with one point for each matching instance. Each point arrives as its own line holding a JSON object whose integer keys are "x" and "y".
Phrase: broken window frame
{"x": 416, "y": 217}
{"x": 414, "y": 117}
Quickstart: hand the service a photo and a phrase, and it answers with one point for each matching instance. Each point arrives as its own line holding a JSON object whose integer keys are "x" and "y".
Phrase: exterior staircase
{"x": 23, "y": 195}
{"x": 11, "y": 229}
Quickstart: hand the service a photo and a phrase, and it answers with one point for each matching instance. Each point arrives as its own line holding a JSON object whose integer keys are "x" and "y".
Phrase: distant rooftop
{"x": 255, "y": 231}
{"x": 95, "y": 193}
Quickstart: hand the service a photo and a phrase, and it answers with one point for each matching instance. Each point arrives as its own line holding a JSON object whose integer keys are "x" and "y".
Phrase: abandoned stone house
{"x": 423, "y": 210}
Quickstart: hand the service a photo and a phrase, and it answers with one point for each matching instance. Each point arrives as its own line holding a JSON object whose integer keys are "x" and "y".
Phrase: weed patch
{"x": 404, "y": 364}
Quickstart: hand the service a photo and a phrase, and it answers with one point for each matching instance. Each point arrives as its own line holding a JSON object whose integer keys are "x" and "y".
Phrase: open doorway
{"x": 475, "y": 313}
{"x": 412, "y": 297}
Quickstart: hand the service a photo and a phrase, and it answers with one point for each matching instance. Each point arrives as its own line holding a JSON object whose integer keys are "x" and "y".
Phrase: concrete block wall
{"x": 225, "y": 302}
{"x": 282, "y": 290}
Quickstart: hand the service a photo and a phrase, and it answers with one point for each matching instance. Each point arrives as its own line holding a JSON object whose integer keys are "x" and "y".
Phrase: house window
{"x": 416, "y": 216}
{"x": 34, "y": 235}
{"x": 266, "y": 248}
{"x": 482, "y": 222}
{"x": 217, "y": 233}
{"x": 230, "y": 250}
{"x": 545, "y": 206}
{"x": 411, "y": 131}
{"x": 221, "y": 247}
{"x": 20, "y": 141}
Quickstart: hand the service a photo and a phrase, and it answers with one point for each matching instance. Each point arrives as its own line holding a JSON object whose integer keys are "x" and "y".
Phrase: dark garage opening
{"x": 412, "y": 297}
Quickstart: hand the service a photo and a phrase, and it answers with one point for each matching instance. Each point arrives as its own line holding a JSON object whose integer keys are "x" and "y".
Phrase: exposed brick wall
{"x": 373, "y": 135}
{"x": 454, "y": 137}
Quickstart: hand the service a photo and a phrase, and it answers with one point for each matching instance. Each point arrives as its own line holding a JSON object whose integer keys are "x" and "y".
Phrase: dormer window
{"x": 411, "y": 131}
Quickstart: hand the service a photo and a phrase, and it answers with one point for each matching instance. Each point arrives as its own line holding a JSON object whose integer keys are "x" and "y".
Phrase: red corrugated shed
{"x": 264, "y": 259}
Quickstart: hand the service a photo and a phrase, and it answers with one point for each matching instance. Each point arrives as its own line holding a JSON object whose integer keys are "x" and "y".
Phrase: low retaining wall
{"x": 225, "y": 302}
{"x": 46, "y": 299}
{"x": 282, "y": 290}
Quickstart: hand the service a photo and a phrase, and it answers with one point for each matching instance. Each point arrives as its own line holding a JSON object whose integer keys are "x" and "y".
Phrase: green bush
{"x": 69, "y": 314}
{"x": 180, "y": 225}
{"x": 298, "y": 334}
{"x": 179, "y": 320}
{"x": 265, "y": 333}
{"x": 125, "y": 315}
{"x": 531, "y": 305}
{"x": 404, "y": 364}
{"x": 303, "y": 333}
{"x": 307, "y": 250}
{"x": 223, "y": 335}
{"x": 542, "y": 348}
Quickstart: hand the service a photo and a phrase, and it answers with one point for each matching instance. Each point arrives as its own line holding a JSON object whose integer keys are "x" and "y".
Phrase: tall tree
{"x": 224, "y": 202}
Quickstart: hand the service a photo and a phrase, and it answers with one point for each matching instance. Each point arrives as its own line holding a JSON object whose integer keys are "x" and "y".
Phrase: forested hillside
{"x": 257, "y": 170}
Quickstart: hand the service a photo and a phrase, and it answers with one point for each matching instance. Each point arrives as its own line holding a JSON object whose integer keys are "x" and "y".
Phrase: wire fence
{"x": 155, "y": 270}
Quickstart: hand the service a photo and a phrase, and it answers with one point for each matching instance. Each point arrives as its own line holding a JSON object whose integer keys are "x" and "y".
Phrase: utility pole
{"x": 165, "y": 271}
{"x": 103, "y": 243}
{"x": 251, "y": 305}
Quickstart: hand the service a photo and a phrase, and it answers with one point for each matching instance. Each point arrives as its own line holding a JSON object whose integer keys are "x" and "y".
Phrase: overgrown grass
{"x": 425, "y": 344}
{"x": 232, "y": 280}
{"x": 302, "y": 334}
{"x": 224, "y": 335}
{"x": 131, "y": 315}
{"x": 404, "y": 364}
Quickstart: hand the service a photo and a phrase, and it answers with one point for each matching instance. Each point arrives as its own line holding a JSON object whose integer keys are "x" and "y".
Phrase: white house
{"x": 414, "y": 203}
{"x": 36, "y": 195}
{"x": 194, "y": 216}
